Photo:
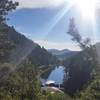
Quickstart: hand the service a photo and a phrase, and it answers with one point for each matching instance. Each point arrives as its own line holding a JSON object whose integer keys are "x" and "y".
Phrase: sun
{"x": 87, "y": 8}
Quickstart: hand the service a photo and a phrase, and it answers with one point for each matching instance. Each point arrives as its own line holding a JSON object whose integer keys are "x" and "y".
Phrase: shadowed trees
{"x": 5, "y": 44}
{"x": 82, "y": 64}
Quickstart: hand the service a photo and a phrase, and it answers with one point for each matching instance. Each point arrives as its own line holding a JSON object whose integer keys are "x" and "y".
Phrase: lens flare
{"x": 87, "y": 8}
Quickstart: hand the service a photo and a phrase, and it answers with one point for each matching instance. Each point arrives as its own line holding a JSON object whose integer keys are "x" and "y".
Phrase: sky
{"x": 46, "y": 22}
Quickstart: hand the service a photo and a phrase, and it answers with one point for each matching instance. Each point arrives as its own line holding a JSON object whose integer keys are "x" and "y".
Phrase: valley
{"x": 49, "y": 50}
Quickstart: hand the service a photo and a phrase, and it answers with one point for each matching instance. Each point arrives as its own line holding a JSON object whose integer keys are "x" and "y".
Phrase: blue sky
{"x": 46, "y": 23}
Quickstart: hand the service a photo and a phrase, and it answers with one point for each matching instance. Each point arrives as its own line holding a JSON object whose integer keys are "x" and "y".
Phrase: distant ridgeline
{"x": 25, "y": 48}
{"x": 62, "y": 54}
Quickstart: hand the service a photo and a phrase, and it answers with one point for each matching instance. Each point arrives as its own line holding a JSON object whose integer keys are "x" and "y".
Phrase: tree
{"x": 5, "y": 7}
{"x": 73, "y": 31}
{"x": 85, "y": 44}
{"x": 5, "y": 44}
{"x": 92, "y": 90}
{"x": 81, "y": 65}
{"x": 21, "y": 84}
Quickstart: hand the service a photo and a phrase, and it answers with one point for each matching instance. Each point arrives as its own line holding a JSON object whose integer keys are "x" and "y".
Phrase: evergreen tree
{"x": 5, "y": 45}
{"x": 83, "y": 64}
{"x": 91, "y": 51}
{"x": 73, "y": 31}
{"x": 5, "y": 7}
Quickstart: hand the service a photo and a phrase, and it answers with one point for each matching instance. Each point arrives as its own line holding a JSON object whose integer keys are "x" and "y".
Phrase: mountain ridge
{"x": 25, "y": 48}
{"x": 62, "y": 54}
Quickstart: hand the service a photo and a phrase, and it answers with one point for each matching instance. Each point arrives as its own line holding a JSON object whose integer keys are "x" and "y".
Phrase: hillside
{"x": 26, "y": 48}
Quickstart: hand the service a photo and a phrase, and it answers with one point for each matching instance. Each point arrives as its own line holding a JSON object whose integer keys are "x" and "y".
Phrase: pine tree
{"x": 73, "y": 31}
{"x": 85, "y": 44}
{"x": 5, "y": 44}
{"x": 6, "y": 6}
{"x": 83, "y": 64}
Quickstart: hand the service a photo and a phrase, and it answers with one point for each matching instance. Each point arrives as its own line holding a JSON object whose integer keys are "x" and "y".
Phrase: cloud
{"x": 57, "y": 45}
{"x": 40, "y": 3}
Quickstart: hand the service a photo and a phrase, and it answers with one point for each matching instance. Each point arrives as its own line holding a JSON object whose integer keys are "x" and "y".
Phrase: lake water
{"x": 57, "y": 74}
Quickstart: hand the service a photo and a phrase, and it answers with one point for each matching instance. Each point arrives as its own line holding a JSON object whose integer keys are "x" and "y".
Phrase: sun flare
{"x": 87, "y": 8}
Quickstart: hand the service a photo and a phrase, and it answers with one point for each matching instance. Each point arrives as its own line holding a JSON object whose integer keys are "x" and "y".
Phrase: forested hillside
{"x": 25, "y": 48}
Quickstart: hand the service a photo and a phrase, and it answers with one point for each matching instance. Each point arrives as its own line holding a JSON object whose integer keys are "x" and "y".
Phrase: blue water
{"x": 56, "y": 75}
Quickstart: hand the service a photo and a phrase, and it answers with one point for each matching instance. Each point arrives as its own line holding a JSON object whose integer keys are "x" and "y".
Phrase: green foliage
{"x": 41, "y": 56}
{"x": 5, "y": 45}
{"x": 82, "y": 65}
{"x": 55, "y": 96}
{"x": 73, "y": 31}
{"x": 19, "y": 84}
{"x": 92, "y": 92}
{"x": 79, "y": 72}
{"x": 5, "y": 7}
{"x": 22, "y": 84}
{"x": 17, "y": 38}
{"x": 13, "y": 43}
{"x": 25, "y": 48}
{"x": 84, "y": 70}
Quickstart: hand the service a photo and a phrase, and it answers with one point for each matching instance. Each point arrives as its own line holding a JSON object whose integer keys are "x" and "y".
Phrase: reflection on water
{"x": 56, "y": 75}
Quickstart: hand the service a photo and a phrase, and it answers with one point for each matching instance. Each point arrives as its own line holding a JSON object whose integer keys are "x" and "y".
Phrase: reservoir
{"x": 55, "y": 74}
